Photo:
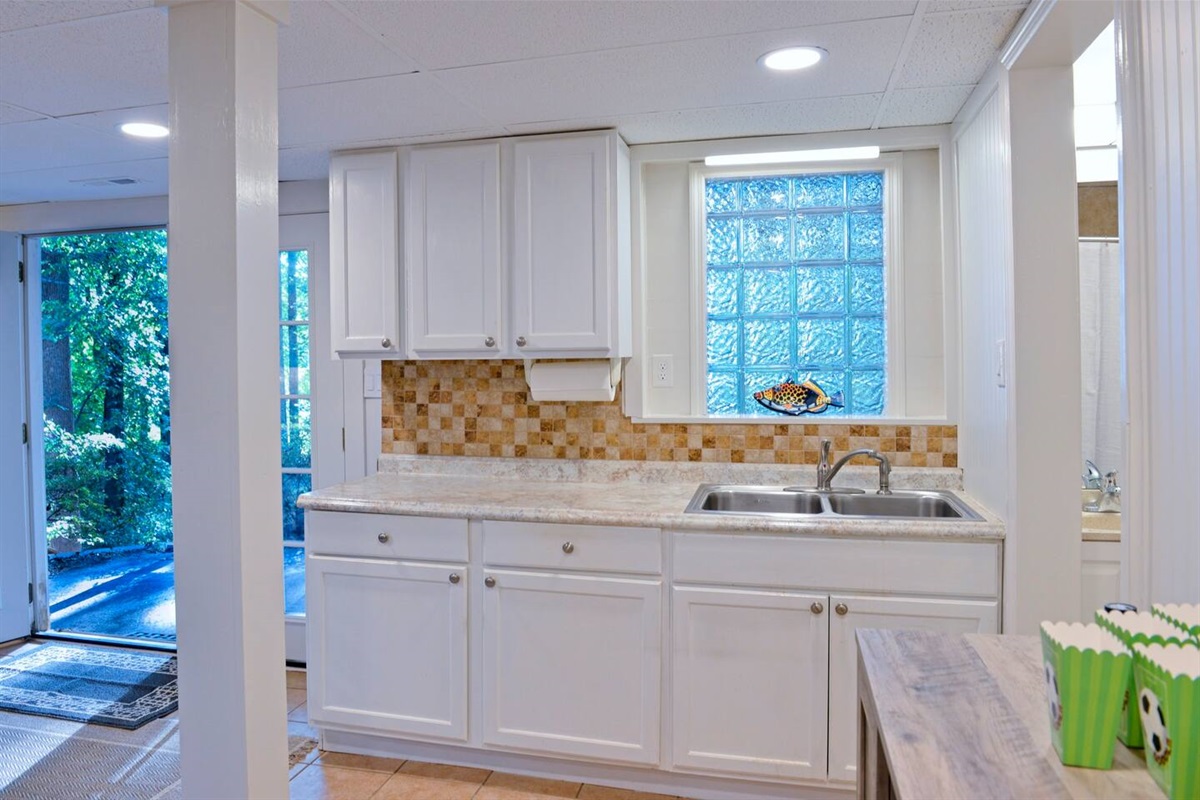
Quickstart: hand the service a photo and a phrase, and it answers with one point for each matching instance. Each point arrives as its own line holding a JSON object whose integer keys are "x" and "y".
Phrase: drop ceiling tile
{"x": 346, "y": 114}
{"x": 680, "y": 75}
{"x": 51, "y": 143}
{"x": 9, "y": 113}
{"x": 939, "y": 6}
{"x": 72, "y": 183}
{"x": 760, "y": 119}
{"x": 109, "y": 122}
{"x": 94, "y": 64}
{"x": 956, "y": 49}
{"x": 20, "y": 14}
{"x": 905, "y": 107}
{"x": 441, "y": 35}
{"x": 321, "y": 45}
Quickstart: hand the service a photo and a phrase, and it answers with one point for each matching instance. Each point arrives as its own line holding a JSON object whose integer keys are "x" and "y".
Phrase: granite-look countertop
{"x": 626, "y": 494}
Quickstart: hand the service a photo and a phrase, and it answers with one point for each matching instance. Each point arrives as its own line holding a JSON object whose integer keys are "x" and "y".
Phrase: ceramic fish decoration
{"x": 798, "y": 398}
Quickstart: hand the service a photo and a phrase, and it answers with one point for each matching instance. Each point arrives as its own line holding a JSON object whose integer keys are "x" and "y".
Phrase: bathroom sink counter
{"x": 629, "y": 494}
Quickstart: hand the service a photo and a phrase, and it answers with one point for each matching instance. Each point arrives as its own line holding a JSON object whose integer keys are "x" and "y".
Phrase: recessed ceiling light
{"x": 794, "y": 156}
{"x": 146, "y": 130}
{"x": 789, "y": 59}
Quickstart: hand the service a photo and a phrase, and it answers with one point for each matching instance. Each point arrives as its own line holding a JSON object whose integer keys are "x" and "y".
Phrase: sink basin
{"x": 759, "y": 500}
{"x": 785, "y": 502}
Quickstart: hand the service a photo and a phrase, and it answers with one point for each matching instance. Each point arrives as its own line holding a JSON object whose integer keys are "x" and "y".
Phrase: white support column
{"x": 1158, "y": 84}
{"x": 224, "y": 398}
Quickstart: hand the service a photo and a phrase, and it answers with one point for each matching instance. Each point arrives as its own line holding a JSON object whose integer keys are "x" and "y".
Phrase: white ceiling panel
{"x": 761, "y": 119}
{"x": 956, "y": 49}
{"x": 680, "y": 75}
{"x": 107, "y": 62}
{"x": 343, "y": 114}
{"x": 441, "y": 35}
{"x": 10, "y": 113}
{"x": 939, "y": 6}
{"x": 74, "y": 183}
{"x": 51, "y": 143}
{"x": 301, "y": 164}
{"x": 21, "y": 14}
{"x": 906, "y": 107}
{"x": 109, "y": 122}
{"x": 321, "y": 45}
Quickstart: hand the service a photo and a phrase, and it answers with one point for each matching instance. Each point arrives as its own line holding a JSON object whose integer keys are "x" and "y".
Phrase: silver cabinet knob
{"x": 817, "y": 608}
{"x": 489, "y": 341}
{"x": 842, "y": 609}
{"x": 383, "y": 538}
{"x": 520, "y": 341}
{"x": 454, "y": 578}
{"x": 386, "y": 343}
{"x": 489, "y": 581}
{"x": 568, "y": 548}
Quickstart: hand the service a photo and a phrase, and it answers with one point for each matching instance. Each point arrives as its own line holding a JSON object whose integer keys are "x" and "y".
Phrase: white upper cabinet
{"x": 364, "y": 256}
{"x": 569, "y": 248}
{"x": 453, "y": 250}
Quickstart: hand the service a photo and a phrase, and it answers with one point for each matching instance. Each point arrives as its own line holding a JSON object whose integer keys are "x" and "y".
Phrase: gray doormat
{"x": 97, "y": 685}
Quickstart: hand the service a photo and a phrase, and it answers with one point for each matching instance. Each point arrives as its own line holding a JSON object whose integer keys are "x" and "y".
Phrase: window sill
{"x": 803, "y": 419}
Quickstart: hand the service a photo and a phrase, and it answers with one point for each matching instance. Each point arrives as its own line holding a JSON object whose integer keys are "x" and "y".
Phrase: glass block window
{"x": 795, "y": 288}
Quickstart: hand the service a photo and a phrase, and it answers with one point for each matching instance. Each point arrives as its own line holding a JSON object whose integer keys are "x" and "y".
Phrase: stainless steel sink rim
{"x": 898, "y": 497}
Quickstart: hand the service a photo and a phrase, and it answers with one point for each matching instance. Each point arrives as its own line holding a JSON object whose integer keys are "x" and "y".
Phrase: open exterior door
{"x": 14, "y": 437}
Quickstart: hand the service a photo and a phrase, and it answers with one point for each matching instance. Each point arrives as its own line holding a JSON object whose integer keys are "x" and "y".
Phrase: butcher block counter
{"x": 964, "y": 715}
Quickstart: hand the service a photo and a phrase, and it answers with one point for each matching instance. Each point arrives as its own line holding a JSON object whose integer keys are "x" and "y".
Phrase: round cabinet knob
{"x": 520, "y": 341}
{"x": 817, "y": 608}
{"x": 489, "y": 581}
{"x": 386, "y": 343}
{"x": 454, "y": 577}
{"x": 489, "y": 341}
{"x": 841, "y": 609}
{"x": 383, "y": 538}
{"x": 568, "y": 548}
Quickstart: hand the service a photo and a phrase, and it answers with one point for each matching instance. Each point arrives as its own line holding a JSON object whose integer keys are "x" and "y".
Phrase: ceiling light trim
{"x": 792, "y": 58}
{"x": 144, "y": 130}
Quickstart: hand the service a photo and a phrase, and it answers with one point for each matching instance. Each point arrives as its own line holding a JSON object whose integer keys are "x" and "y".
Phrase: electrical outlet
{"x": 662, "y": 371}
{"x": 999, "y": 364}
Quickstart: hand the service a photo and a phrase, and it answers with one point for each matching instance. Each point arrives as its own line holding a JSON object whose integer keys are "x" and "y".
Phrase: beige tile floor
{"x": 319, "y": 775}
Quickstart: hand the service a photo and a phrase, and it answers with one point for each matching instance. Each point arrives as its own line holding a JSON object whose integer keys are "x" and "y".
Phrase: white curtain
{"x": 1100, "y": 324}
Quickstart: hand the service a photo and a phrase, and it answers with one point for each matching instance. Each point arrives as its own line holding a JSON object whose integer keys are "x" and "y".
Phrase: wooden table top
{"x": 964, "y": 716}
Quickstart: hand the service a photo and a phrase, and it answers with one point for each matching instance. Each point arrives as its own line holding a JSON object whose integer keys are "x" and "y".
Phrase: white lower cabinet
{"x": 1100, "y": 579}
{"x": 749, "y": 681}
{"x": 572, "y": 664}
{"x": 388, "y": 646}
{"x": 850, "y": 612}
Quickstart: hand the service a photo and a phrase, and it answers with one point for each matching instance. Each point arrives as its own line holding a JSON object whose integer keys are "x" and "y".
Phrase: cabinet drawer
{"x": 929, "y": 568}
{"x": 600, "y": 548}
{"x": 417, "y": 538}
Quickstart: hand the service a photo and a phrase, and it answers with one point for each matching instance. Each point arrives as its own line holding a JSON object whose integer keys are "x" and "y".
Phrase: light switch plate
{"x": 372, "y": 378}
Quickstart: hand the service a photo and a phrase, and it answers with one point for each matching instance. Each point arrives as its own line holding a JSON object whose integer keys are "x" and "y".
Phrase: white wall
{"x": 667, "y": 263}
{"x": 1158, "y": 51}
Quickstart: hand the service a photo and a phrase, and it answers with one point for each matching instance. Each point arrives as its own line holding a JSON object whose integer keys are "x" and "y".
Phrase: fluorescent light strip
{"x": 793, "y": 156}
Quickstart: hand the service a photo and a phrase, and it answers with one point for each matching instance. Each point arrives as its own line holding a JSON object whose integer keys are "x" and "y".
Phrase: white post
{"x": 223, "y": 239}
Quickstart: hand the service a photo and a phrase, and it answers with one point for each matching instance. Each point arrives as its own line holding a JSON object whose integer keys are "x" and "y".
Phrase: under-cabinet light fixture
{"x": 144, "y": 130}
{"x": 793, "y": 156}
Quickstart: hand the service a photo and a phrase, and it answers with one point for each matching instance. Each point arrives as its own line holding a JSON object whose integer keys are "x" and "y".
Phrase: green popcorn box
{"x": 1134, "y": 627}
{"x": 1086, "y": 670}
{"x": 1168, "y": 701}
{"x": 1181, "y": 615}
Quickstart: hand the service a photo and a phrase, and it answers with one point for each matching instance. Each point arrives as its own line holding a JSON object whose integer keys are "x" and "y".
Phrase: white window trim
{"x": 894, "y": 410}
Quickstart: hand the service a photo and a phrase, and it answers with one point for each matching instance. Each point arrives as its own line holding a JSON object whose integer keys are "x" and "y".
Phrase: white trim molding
{"x": 1157, "y": 86}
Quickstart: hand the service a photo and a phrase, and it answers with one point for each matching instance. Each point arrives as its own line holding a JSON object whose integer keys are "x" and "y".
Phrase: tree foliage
{"x": 105, "y": 361}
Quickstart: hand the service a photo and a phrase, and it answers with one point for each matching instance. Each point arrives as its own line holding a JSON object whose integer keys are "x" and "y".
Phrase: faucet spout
{"x": 826, "y": 473}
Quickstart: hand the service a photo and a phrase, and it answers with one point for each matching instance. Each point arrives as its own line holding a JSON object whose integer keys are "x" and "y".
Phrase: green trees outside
{"x": 295, "y": 412}
{"x": 105, "y": 386}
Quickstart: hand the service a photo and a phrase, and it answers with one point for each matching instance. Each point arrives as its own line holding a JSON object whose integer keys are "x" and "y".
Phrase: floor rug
{"x": 98, "y": 685}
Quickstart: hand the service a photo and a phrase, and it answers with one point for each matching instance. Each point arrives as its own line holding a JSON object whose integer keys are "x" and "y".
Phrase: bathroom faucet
{"x": 1110, "y": 501}
{"x": 826, "y": 472}
{"x": 1091, "y": 475}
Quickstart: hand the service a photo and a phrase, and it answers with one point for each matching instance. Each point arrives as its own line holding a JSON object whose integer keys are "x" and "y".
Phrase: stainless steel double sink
{"x": 794, "y": 502}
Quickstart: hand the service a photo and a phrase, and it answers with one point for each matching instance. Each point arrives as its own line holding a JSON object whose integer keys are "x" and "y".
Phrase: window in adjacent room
{"x": 796, "y": 279}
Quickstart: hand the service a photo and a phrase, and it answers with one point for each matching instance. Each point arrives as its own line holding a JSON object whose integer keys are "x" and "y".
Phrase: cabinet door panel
{"x": 949, "y": 616}
{"x": 562, "y": 245}
{"x": 750, "y": 671}
{"x": 452, "y": 249}
{"x": 571, "y": 665}
{"x": 391, "y": 646}
{"x": 364, "y": 261}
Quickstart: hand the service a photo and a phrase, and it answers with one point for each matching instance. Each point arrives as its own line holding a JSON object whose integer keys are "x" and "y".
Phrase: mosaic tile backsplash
{"x": 482, "y": 408}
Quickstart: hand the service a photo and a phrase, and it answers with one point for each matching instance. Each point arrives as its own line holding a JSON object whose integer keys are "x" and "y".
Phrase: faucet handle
{"x": 1110, "y": 483}
{"x": 826, "y": 444}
